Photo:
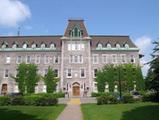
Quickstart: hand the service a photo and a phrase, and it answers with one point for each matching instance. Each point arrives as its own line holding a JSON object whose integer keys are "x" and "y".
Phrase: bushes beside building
{"x": 42, "y": 99}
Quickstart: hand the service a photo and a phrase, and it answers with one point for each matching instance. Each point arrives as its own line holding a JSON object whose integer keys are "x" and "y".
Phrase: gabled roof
{"x": 74, "y": 23}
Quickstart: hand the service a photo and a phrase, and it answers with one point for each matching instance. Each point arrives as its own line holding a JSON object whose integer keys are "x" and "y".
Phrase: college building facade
{"x": 75, "y": 57}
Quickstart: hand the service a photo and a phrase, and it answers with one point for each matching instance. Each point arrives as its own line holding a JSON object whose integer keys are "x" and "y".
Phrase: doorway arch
{"x": 76, "y": 89}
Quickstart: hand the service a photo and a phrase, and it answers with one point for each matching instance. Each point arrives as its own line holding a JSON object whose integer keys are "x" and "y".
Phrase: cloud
{"x": 27, "y": 27}
{"x": 12, "y": 12}
{"x": 143, "y": 42}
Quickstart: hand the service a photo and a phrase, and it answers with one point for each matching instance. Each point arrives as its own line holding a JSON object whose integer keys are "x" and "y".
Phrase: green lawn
{"x": 136, "y": 111}
{"x": 30, "y": 112}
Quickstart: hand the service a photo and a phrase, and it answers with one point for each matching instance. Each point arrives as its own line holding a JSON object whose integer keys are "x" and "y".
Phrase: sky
{"x": 137, "y": 18}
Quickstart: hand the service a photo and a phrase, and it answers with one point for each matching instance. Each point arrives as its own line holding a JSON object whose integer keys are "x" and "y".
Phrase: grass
{"x": 135, "y": 111}
{"x": 30, "y": 112}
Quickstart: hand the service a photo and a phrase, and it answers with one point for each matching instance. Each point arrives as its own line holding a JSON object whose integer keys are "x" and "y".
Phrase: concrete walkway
{"x": 72, "y": 111}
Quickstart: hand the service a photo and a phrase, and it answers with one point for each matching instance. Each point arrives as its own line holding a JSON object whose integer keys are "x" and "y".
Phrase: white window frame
{"x": 112, "y": 56}
{"x": 27, "y": 59}
{"x": 6, "y": 74}
{"x": 67, "y": 73}
{"x": 133, "y": 59}
{"x": 8, "y": 59}
{"x": 58, "y": 59}
{"x": 44, "y": 72}
{"x": 103, "y": 58}
{"x": 94, "y": 72}
{"x": 37, "y": 58}
{"x": 25, "y": 45}
{"x": 121, "y": 58}
{"x": 81, "y": 72}
{"x": 47, "y": 59}
{"x": 18, "y": 61}
{"x": 57, "y": 72}
{"x": 95, "y": 55}
{"x": 14, "y": 46}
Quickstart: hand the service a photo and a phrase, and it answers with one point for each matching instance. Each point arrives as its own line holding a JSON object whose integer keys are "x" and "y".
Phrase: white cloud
{"x": 143, "y": 42}
{"x": 13, "y": 12}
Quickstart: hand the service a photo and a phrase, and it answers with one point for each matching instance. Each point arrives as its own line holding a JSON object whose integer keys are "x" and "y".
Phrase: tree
{"x": 50, "y": 81}
{"x": 152, "y": 79}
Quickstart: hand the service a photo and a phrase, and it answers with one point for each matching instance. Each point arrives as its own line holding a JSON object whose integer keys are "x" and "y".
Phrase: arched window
{"x": 126, "y": 45}
{"x": 76, "y": 32}
{"x": 43, "y": 45}
{"x": 33, "y": 45}
{"x": 52, "y": 46}
{"x": 4, "y": 45}
{"x": 108, "y": 45}
{"x": 25, "y": 45}
{"x": 14, "y": 45}
{"x": 99, "y": 45}
{"x": 117, "y": 45}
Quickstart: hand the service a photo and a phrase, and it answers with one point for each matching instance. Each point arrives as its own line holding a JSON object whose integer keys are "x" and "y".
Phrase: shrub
{"x": 4, "y": 100}
{"x": 153, "y": 97}
{"x": 19, "y": 100}
{"x": 127, "y": 98}
{"x": 106, "y": 99}
{"x": 46, "y": 101}
{"x": 31, "y": 100}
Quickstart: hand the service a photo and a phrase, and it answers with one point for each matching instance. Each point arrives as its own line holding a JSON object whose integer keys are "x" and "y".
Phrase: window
{"x": 114, "y": 58}
{"x": 123, "y": 58}
{"x": 37, "y": 59}
{"x": 126, "y": 46}
{"x": 95, "y": 59}
{"x": 56, "y": 59}
{"x": 19, "y": 59}
{"x": 33, "y": 45}
{"x": 52, "y": 46}
{"x": 45, "y": 71}
{"x": 76, "y": 32}
{"x": 25, "y": 45}
{"x": 47, "y": 59}
{"x": 28, "y": 59}
{"x": 104, "y": 58}
{"x": 82, "y": 73}
{"x": 108, "y": 45}
{"x": 95, "y": 73}
{"x": 80, "y": 59}
{"x": 99, "y": 45}
{"x": 14, "y": 46}
{"x": 117, "y": 45}
{"x": 4, "y": 46}
{"x": 76, "y": 59}
{"x": 76, "y": 46}
{"x": 56, "y": 72}
{"x": 69, "y": 73}
{"x": 6, "y": 73}
{"x": 132, "y": 59}
{"x": 8, "y": 59}
{"x": 43, "y": 45}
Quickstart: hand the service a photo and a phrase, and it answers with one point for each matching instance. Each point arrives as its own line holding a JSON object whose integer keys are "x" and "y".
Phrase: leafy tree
{"x": 50, "y": 80}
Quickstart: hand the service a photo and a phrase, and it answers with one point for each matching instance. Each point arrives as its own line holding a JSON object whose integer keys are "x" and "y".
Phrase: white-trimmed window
{"x": 33, "y": 45}
{"x": 14, "y": 45}
{"x": 69, "y": 73}
{"x": 126, "y": 45}
{"x": 95, "y": 72}
{"x": 56, "y": 59}
{"x": 28, "y": 59}
{"x": 114, "y": 58}
{"x": 123, "y": 58}
{"x": 8, "y": 59}
{"x": 6, "y": 73}
{"x": 75, "y": 46}
{"x": 95, "y": 58}
{"x": 25, "y": 45}
{"x": 82, "y": 73}
{"x": 75, "y": 59}
{"x": 132, "y": 59}
{"x": 43, "y": 45}
{"x": 117, "y": 45}
{"x": 52, "y": 46}
{"x": 108, "y": 45}
{"x": 99, "y": 46}
{"x": 104, "y": 58}
{"x": 56, "y": 71}
{"x": 45, "y": 71}
{"x": 37, "y": 59}
{"x": 19, "y": 59}
{"x": 47, "y": 59}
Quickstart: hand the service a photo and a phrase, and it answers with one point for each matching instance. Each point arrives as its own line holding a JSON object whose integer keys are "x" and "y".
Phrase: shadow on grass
{"x": 150, "y": 112}
{"x": 6, "y": 114}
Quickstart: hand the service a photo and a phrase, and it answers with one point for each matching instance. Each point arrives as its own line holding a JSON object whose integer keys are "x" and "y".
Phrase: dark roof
{"x": 31, "y": 39}
{"x": 113, "y": 40}
{"x": 72, "y": 24}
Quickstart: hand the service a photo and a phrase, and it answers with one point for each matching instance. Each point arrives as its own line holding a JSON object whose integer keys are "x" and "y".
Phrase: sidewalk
{"x": 72, "y": 111}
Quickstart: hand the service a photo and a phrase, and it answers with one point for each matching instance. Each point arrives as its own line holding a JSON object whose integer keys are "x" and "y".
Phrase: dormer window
{"x": 14, "y": 45}
{"x": 52, "y": 46}
{"x": 126, "y": 46}
{"x": 108, "y": 45}
{"x": 33, "y": 45}
{"x": 43, "y": 45}
{"x": 99, "y": 45}
{"x": 117, "y": 45}
{"x": 25, "y": 45}
{"x": 4, "y": 45}
{"x": 76, "y": 32}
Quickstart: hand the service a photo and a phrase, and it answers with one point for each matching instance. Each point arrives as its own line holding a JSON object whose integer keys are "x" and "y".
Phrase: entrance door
{"x": 76, "y": 90}
{"x": 4, "y": 89}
